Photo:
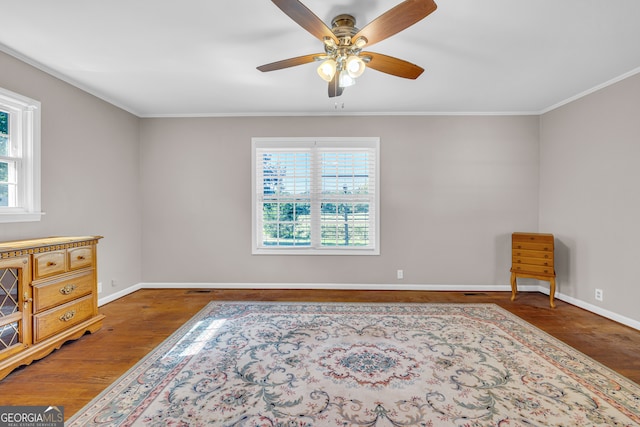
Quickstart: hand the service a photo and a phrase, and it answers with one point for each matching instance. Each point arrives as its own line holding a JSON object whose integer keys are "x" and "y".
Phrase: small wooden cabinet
{"x": 532, "y": 256}
{"x": 48, "y": 295}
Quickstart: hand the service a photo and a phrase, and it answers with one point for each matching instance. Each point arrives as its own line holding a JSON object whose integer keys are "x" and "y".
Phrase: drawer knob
{"x": 67, "y": 289}
{"x": 51, "y": 264}
{"x": 80, "y": 257}
{"x": 67, "y": 316}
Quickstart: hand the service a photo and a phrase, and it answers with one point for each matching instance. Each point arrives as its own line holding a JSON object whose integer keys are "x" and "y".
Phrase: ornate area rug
{"x": 308, "y": 364}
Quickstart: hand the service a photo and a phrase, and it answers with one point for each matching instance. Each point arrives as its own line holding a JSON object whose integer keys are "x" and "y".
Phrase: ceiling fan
{"x": 343, "y": 59}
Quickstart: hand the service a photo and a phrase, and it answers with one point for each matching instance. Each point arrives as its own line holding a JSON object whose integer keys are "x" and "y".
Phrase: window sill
{"x": 313, "y": 251}
{"x": 6, "y": 217}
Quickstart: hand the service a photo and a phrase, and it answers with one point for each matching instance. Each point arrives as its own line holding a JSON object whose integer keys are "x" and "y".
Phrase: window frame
{"x": 24, "y": 122}
{"x": 341, "y": 144}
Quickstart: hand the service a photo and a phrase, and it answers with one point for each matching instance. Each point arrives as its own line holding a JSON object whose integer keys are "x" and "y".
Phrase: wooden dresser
{"x": 48, "y": 295}
{"x": 532, "y": 257}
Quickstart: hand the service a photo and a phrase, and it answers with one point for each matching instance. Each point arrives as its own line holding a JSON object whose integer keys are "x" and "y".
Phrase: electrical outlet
{"x": 99, "y": 287}
{"x": 599, "y": 296}
{"x": 400, "y": 274}
{"x": 114, "y": 283}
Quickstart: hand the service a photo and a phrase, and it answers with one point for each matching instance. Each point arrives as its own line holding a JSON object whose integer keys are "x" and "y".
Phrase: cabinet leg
{"x": 514, "y": 286}
{"x": 552, "y": 291}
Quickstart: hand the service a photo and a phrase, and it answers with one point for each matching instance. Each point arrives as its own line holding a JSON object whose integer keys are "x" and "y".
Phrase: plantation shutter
{"x": 316, "y": 195}
{"x": 10, "y": 160}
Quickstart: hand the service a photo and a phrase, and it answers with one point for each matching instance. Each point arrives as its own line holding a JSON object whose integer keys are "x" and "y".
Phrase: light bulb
{"x": 361, "y": 42}
{"x": 329, "y": 42}
{"x": 345, "y": 80}
{"x": 355, "y": 66}
{"x": 327, "y": 70}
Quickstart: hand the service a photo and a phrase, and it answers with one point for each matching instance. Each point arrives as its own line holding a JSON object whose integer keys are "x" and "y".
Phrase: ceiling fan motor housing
{"x": 344, "y": 26}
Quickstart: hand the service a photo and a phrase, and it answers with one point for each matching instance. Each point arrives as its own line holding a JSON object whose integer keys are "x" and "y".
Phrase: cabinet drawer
{"x": 532, "y": 254}
{"x": 56, "y": 320}
{"x": 47, "y": 295}
{"x": 545, "y": 262}
{"x": 532, "y": 237}
{"x": 533, "y": 269}
{"x": 80, "y": 258}
{"x": 49, "y": 263}
{"x": 544, "y": 247}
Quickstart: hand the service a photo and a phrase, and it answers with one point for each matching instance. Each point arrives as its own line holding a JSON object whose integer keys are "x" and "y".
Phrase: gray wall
{"x": 590, "y": 197}
{"x": 90, "y": 172}
{"x": 452, "y": 191}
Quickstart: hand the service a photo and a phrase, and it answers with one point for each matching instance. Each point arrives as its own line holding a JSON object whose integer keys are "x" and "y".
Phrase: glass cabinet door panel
{"x": 8, "y": 291}
{"x": 12, "y": 322}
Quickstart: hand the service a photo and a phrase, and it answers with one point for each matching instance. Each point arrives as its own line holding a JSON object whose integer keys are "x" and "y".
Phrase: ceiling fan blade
{"x": 334, "y": 88}
{"x": 394, "y": 66}
{"x": 291, "y": 62}
{"x": 395, "y": 20}
{"x": 305, "y": 18}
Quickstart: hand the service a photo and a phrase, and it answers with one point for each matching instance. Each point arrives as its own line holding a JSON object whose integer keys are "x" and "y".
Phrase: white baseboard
{"x": 376, "y": 287}
{"x": 118, "y": 295}
{"x": 600, "y": 311}
{"x": 338, "y": 286}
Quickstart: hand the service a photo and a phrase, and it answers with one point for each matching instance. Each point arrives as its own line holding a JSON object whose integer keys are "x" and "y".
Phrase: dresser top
{"x": 45, "y": 244}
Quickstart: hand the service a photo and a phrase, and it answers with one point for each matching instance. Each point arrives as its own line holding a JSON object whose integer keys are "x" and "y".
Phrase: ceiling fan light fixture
{"x": 329, "y": 42}
{"x": 360, "y": 42}
{"x": 355, "y": 66}
{"x": 345, "y": 80}
{"x": 327, "y": 69}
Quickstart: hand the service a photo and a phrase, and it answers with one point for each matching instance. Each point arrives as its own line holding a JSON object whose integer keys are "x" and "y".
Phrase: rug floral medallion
{"x": 310, "y": 364}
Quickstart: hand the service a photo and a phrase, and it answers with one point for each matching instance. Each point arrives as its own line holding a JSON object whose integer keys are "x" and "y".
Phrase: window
{"x": 315, "y": 196}
{"x": 19, "y": 158}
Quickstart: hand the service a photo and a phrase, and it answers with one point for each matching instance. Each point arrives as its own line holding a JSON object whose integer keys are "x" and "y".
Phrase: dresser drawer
{"x": 532, "y": 254}
{"x": 49, "y": 263}
{"x": 80, "y": 258}
{"x": 50, "y": 322}
{"x": 533, "y": 269}
{"x": 532, "y": 237}
{"x": 544, "y": 247}
{"x": 545, "y": 262}
{"x": 47, "y": 295}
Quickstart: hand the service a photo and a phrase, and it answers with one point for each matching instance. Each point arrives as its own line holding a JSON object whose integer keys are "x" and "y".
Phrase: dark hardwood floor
{"x": 135, "y": 324}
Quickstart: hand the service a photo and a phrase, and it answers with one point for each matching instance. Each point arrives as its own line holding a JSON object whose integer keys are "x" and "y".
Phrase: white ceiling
{"x": 197, "y": 57}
